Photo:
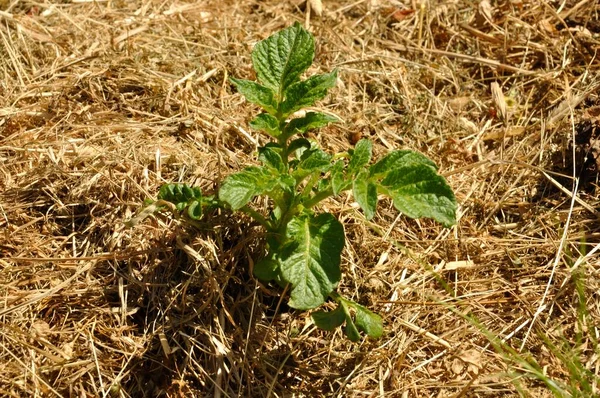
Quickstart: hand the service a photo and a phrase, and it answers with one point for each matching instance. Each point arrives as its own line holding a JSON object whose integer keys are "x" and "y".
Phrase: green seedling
{"x": 304, "y": 245}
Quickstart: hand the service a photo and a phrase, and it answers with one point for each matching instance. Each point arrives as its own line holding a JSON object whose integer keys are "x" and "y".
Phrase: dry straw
{"x": 103, "y": 101}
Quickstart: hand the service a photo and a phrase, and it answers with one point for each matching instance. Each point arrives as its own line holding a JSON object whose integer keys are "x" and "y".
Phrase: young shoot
{"x": 304, "y": 244}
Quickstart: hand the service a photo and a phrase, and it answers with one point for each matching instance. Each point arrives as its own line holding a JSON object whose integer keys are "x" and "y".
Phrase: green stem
{"x": 335, "y": 296}
{"x": 341, "y": 155}
{"x": 257, "y": 217}
{"x": 290, "y": 212}
{"x": 282, "y": 140}
{"x": 320, "y": 196}
{"x": 310, "y": 185}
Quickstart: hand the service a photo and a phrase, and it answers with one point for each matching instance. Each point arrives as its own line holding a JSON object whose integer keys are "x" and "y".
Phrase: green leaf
{"x": 360, "y": 157}
{"x": 269, "y": 156}
{"x": 266, "y": 269}
{"x": 280, "y": 59}
{"x": 350, "y": 330}
{"x": 312, "y": 120}
{"x": 194, "y": 210}
{"x": 303, "y": 150}
{"x": 257, "y": 94}
{"x": 368, "y": 321}
{"x": 314, "y": 158}
{"x": 171, "y": 193}
{"x": 307, "y": 92}
{"x": 418, "y": 191}
{"x": 182, "y": 197}
{"x": 311, "y": 161}
{"x": 397, "y": 159}
{"x": 299, "y": 143}
{"x": 365, "y": 194}
{"x": 338, "y": 180}
{"x": 323, "y": 185}
{"x": 188, "y": 192}
{"x": 267, "y": 123}
{"x": 310, "y": 258}
{"x": 240, "y": 188}
{"x": 287, "y": 182}
{"x": 179, "y": 194}
{"x": 364, "y": 320}
{"x": 329, "y": 320}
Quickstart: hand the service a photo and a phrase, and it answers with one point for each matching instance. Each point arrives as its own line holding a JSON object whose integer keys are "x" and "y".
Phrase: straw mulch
{"x": 101, "y": 102}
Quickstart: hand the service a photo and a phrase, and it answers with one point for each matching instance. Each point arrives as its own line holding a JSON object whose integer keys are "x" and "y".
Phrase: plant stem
{"x": 284, "y": 154}
{"x": 257, "y": 217}
{"x": 290, "y": 212}
{"x": 335, "y": 296}
{"x": 310, "y": 185}
{"x": 341, "y": 155}
{"x": 282, "y": 140}
{"x": 318, "y": 198}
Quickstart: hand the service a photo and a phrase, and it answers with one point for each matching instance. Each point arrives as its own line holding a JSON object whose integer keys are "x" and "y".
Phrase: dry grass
{"x": 102, "y": 102}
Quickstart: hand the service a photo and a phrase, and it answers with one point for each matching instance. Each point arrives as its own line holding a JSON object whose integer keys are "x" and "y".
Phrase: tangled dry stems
{"x": 102, "y": 102}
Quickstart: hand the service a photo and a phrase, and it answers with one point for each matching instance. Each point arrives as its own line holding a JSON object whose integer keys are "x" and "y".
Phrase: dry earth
{"x": 103, "y": 101}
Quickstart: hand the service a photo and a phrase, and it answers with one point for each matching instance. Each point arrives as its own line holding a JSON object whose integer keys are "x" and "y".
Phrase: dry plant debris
{"x": 101, "y": 102}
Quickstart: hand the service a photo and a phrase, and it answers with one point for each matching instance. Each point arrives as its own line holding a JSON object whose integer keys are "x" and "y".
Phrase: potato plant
{"x": 304, "y": 244}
